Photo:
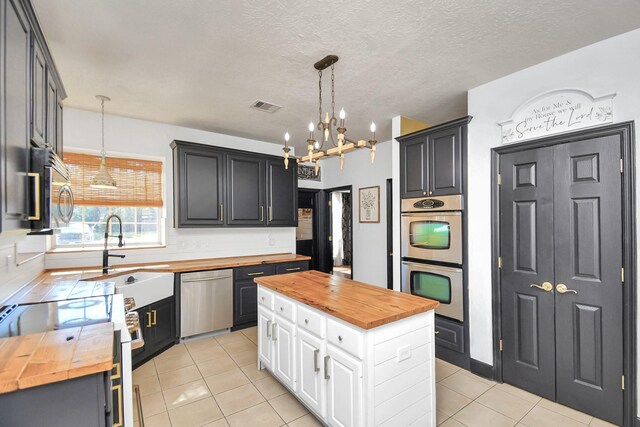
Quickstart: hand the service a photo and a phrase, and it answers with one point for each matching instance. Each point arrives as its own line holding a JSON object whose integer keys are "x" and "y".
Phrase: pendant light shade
{"x": 103, "y": 178}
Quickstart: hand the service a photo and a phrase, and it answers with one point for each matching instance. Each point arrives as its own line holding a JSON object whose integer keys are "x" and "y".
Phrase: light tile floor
{"x": 214, "y": 382}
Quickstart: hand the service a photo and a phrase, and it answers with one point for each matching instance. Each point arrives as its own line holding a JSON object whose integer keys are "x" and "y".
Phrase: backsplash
{"x": 185, "y": 244}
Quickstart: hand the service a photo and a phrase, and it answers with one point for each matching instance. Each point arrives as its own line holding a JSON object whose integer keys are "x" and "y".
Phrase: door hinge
{"x": 500, "y": 345}
{"x": 329, "y": 202}
{"x": 622, "y": 382}
{"x": 622, "y": 274}
{"x": 499, "y": 179}
{"x": 621, "y": 166}
{"x": 499, "y": 262}
{"x": 331, "y": 238}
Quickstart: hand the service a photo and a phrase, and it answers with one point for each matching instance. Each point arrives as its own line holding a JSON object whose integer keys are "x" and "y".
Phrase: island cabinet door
{"x": 344, "y": 388}
{"x": 285, "y": 352}
{"x": 310, "y": 376}
{"x": 265, "y": 337}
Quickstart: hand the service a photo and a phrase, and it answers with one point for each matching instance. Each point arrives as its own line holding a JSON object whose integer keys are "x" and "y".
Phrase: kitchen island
{"x": 353, "y": 353}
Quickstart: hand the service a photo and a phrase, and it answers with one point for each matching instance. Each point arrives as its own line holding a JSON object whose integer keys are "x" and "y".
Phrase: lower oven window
{"x": 431, "y": 285}
{"x": 430, "y": 234}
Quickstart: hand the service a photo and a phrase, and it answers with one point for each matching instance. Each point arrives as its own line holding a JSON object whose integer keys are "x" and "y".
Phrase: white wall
{"x": 12, "y": 275}
{"x": 124, "y": 136}
{"x": 369, "y": 240}
{"x": 609, "y": 66}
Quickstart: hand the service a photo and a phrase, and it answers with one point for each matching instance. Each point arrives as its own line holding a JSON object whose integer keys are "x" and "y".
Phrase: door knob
{"x": 546, "y": 286}
{"x": 562, "y": 288}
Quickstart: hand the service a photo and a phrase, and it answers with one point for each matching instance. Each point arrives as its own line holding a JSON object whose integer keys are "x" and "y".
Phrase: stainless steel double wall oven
{"x": 432, "y": 253}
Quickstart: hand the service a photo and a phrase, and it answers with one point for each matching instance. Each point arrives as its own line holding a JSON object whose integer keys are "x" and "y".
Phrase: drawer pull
{"x": 281, "y": 308}
{"x": 340, "y": 338}
{"x": 306, "y": 321}
{"x": 437, "y": 332}
{"x": 316, "y": 368}
{"x": 262, "y": 298}
{"x": 326, "y": 367}
{"x": 268, "y": 328}
{"x": 294, "y": 269}
{"x": 117, "y": 374}
{"x": 255, "y": 274}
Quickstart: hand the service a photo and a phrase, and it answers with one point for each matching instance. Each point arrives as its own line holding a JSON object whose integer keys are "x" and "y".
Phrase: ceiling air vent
{"x": 265, "y": 106}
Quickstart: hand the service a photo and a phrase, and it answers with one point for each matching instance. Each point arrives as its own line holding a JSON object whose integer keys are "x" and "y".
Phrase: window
{"x": 137, "y": 201}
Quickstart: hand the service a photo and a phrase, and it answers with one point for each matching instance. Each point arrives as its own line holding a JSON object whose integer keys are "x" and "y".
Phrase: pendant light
{"x": 103, "y": 179}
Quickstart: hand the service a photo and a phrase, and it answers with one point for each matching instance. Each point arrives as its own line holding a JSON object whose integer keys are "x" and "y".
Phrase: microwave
{"x": 51, "y": 205}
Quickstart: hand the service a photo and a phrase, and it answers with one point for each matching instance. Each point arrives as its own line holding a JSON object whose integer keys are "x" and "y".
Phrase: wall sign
{"x": 308, "y": 173}
{"x": 557, "y": 111}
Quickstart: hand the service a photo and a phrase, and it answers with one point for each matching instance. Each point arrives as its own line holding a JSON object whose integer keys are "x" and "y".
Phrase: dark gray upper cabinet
{"x": 39, "y": 95}
{"x": 26, "y": 74}
{"x": 198, "y": 186}
{"x": 14, "y": 107}
{"x": 445, "y": 162}
{"x": 249, "y": 190}
{"x": 282, "y": 194}
{"x": 413, "y": 170}
{"x": 431, "y": 160}
{"x": 246, "y": 195}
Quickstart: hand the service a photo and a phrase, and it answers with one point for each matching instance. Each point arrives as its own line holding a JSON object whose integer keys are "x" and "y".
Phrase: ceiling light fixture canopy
{"x": 103, "y": 179}
{"x": 326, "y": 126}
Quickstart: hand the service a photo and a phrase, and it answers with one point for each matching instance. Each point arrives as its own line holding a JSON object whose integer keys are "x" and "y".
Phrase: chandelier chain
{"x": 319, "y": 96}
{"x": 333, "y": 93}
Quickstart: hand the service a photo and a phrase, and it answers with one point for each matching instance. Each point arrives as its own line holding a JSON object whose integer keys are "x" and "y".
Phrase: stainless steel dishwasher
{"x": 206, "y": 302}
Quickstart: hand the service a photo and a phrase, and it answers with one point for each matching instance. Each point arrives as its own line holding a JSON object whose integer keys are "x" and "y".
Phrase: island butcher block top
{"x": 360, "y": 304}
{"x": 43, "y": 358}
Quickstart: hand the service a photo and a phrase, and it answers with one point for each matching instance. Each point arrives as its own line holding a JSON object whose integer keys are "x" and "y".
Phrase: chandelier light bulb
{"x": 342, "y": 114}
{"x": 373, "y": 127}
{"x": 286, "y": 137}
{"x": 311, "y": 126}
{"x": 316, "y": 145}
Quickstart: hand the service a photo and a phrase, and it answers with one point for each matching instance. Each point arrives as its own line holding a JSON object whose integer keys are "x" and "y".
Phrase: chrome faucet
{"x": 105, "y": 253}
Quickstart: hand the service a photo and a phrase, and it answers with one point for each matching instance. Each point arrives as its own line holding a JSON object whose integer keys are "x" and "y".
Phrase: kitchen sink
{"x": 145, "y": 287}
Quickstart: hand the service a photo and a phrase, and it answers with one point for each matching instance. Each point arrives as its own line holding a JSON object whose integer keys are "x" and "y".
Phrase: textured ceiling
{"x": 202, "y": 63}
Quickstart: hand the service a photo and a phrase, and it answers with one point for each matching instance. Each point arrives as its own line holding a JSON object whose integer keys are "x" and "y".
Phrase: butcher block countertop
{"x": 48, "y": 357}
{"x": 72, "y": 283}
{"x": 360, "y": 304}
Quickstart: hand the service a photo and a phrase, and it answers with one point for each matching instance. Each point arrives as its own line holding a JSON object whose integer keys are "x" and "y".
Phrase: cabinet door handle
{"x": 268, "y": 328}
{"x": 274, "y": 337}
{"x": 316, "y": 368}
{"x": 118, "y": 389}
{"x": 155, "y": 317}
{"x": 270, "y": 213}
{"x": 36, "y": 196}
{"x": 261, "y": 213}
{"x": 149, "y": 319}
{"x": 118, "y": 372}
{"x": 326, "y": 367}
{"x": 221, "y": 212}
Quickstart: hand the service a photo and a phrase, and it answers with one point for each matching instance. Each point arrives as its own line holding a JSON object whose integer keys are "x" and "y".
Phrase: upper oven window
{"x": 429, "y": 234}
{"x": 431, "y": 285}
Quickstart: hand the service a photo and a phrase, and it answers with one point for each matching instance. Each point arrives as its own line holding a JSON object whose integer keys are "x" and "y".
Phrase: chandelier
{"x": 341, "y": 143}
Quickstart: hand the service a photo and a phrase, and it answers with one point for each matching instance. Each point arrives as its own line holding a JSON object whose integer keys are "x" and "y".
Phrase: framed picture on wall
{"x": 369, "y": 202}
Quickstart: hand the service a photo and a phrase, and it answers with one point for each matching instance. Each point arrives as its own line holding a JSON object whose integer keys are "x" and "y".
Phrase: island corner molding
{"x": 556, "y": 111}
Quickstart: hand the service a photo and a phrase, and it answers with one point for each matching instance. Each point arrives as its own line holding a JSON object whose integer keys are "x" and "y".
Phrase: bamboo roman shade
{"x": 139, "y": 181}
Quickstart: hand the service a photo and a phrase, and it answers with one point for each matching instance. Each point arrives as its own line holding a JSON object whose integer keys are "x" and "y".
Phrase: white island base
{"x": 346, "y": 375}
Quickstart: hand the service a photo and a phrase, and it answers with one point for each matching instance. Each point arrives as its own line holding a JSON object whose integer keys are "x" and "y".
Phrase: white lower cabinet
{"x": 345, "y": 375}
{"x": 311, "y": 383}
{"x": 344, "y": 388}
{"x": 265, "y": 331}
{"x": 285, "y": 352}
